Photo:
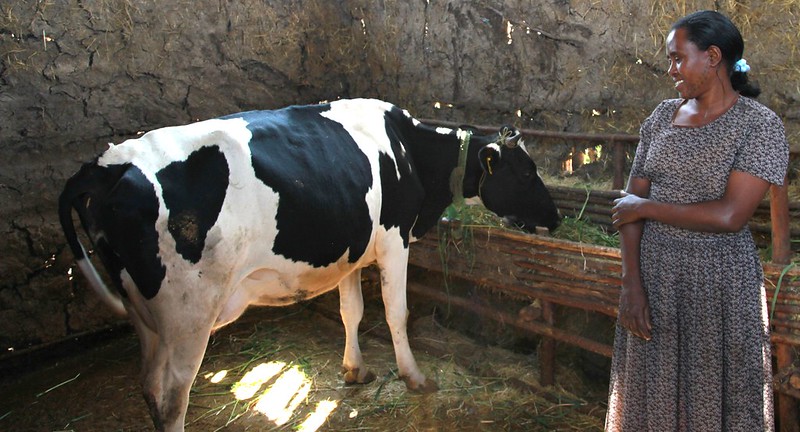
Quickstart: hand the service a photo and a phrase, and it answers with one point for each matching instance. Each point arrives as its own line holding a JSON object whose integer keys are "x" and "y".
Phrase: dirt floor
{"x": 298, "y": 351}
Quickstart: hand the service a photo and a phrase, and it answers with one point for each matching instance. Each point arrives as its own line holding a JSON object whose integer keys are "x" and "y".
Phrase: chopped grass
{"x": 581, "y": 230}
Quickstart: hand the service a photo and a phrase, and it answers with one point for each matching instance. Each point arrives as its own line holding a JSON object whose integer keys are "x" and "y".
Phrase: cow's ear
{"x": 490, "y": 159}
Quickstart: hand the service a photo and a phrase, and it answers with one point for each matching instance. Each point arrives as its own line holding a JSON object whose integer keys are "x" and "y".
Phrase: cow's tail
{"x": 73, "y": 197}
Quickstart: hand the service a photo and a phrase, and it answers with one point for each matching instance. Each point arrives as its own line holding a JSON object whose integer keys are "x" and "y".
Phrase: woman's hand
{"x": 626, "y": 209}
{"x": 729, "y": 213}
{"x": 634, "y": 311}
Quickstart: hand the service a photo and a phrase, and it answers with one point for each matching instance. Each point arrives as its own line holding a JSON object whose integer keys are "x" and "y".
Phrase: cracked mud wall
{"x": 75, "y": 75}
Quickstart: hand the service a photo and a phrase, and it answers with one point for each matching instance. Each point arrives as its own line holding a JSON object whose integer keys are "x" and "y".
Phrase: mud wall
{"x": 75, "y": 75}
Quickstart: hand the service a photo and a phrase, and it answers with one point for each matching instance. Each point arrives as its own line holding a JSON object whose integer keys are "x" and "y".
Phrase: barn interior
{"x": 529, "y": 351}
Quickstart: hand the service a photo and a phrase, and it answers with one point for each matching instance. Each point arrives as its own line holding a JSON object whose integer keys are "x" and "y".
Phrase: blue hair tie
{"x": 741, "y": 66}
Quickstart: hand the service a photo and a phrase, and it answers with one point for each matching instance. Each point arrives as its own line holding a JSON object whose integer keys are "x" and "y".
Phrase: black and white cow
{"x": 195, "y": 223}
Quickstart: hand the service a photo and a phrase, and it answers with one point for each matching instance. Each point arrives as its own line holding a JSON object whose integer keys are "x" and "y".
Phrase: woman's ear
{"x": 714, "y": 55}
{"x": 489, "y": 157}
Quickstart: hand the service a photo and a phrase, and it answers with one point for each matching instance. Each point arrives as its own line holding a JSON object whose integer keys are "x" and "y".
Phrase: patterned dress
{"x": 708, "y": 365}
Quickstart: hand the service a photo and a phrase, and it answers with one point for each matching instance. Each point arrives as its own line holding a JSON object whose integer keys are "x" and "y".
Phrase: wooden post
{"x": 786, "y": 408}
{"x": 547, "y": 349}
{"x": 619, "y": 164}
{"x": 779, "y": 213}
{"x": 577, "y": 158}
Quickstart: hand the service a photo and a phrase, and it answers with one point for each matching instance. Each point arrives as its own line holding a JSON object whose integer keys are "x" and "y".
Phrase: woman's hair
{"x": 706, "y": 28}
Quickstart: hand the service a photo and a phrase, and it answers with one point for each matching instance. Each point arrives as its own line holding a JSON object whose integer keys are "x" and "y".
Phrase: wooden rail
{"x": 595, "y": 206}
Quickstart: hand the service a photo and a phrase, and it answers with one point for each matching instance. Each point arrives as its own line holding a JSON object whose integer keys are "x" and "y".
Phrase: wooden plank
{"x": 507, "y": 319}
{"x": 547, "y": 348}
{"x": 779, "y": 205}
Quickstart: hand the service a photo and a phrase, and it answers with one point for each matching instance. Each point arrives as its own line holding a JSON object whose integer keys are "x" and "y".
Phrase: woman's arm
{"x": 634, "y": 310}
{"x": 730, "y": 213}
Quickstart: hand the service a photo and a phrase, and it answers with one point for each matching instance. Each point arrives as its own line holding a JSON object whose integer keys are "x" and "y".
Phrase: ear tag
{"x": 489, "y": 164}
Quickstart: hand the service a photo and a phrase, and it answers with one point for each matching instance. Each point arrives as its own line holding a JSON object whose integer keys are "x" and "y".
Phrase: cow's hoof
{"x": 351, "y": 377}
{"x": 429, "y": 386}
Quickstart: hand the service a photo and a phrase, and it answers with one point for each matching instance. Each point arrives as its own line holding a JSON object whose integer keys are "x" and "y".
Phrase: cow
{"x": 194, "y": 223}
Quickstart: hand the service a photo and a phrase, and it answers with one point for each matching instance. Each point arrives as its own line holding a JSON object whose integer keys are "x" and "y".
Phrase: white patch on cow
{"x": 136, "y": 302}
{"x": 392, "y": 259}
{"x": 527, "y": 152}
{"x": 158, "y": 148}
{"x": 387, "y": 241}
{"x": 364, "y": 120}
{"x": 494, "y": 146}
{"x": 415, "y": 122}
{"x": 462, "y": 135}
{"x": 521, "y": 144}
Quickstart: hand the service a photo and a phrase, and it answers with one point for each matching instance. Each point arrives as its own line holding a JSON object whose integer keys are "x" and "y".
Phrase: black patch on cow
{"x": 402, "y": 196}
{"x": 127, "y": 216}
{"x": 321, "y": 177}
{"x": 423, "y": 194}
{"x": 193, "y": 192}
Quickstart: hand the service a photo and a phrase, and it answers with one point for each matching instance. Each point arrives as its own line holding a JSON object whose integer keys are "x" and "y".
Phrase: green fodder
{"x": 584, "y": 231}
{"x": 459, "y": 234}
{"x": 455, "y": 230}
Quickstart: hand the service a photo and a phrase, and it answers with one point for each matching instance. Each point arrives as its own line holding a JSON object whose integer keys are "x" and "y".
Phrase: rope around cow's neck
{"x": 457, "y": 176}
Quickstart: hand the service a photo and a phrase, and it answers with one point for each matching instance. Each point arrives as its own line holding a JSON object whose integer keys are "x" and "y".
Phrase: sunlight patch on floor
{"x": 217, "y": 377}
{"x": 286, "y": 388}
{"x": 318, "y": 417}
{"x": 252, "y": 381}
{"x": 279, "y": 401}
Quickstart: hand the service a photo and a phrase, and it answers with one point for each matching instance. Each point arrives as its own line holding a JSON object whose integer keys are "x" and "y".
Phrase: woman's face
{"x": 689, "y": 67}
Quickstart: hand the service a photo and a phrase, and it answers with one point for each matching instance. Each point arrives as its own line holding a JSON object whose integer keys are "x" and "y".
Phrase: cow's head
{"x": 511, "y": 186}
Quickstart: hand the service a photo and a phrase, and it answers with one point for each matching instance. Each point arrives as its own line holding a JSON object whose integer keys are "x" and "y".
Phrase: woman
{"x": 692, "y": 348}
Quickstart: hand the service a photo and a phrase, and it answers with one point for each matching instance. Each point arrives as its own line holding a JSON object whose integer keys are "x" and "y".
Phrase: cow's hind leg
{"x": 351, "y": 307}
{"x": 393, "y": 290}
{"x": 148, "y": 343}
{"x": 170, "y": 361}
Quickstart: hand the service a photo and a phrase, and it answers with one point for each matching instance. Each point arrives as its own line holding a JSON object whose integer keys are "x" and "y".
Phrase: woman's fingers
{"x": 638, "y": 326}
{"x": 643, "y": 325}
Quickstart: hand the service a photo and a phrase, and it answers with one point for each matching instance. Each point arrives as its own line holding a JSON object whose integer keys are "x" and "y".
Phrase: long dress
{"x": 708, "y": 365}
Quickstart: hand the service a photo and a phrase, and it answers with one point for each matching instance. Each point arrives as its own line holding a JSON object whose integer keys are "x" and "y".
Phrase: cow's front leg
{"x": 351, "y": 307}
{"x": 393, "y": 289}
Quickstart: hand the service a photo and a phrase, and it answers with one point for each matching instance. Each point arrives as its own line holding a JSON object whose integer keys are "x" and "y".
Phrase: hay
{"x": 583, "y": 231}
{"x": 472, "y": 216}
{"x": 479, "y": 386}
